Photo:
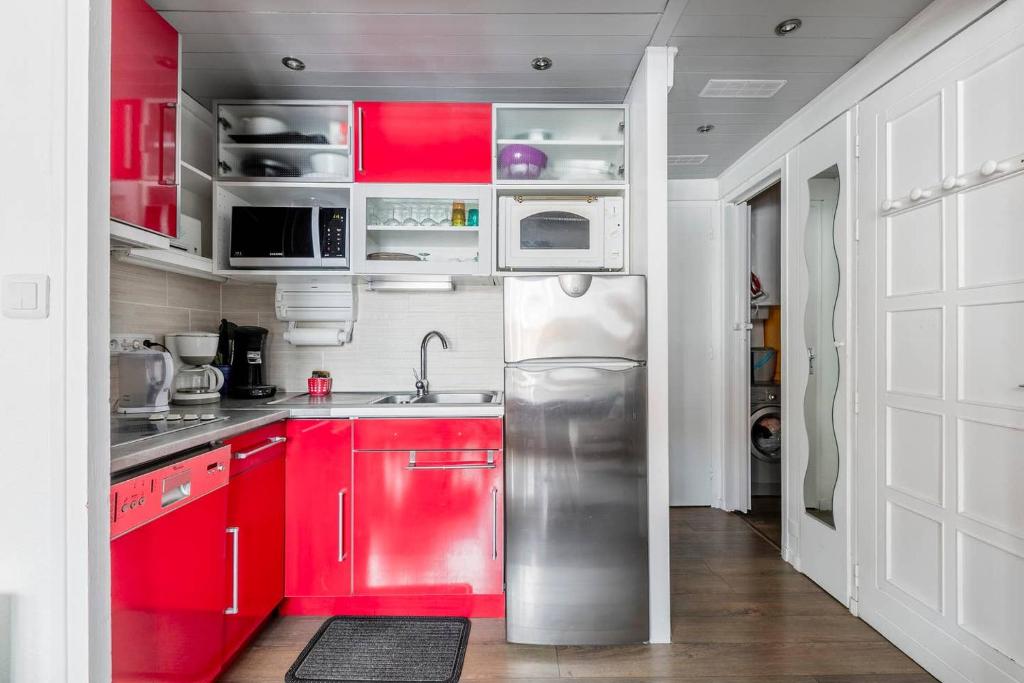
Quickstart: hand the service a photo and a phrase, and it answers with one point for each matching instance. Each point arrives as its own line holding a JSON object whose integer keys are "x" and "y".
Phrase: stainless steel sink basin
{"x": 397, "y": 398}
{"x": 459, "y": 397}
{"x": 455, "y": 398}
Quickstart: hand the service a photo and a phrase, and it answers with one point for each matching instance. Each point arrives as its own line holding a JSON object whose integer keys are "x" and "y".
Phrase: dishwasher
{"x": 168, "y": 554}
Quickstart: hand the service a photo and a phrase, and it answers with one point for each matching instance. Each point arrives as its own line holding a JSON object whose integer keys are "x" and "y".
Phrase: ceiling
{"x": 479, "y": 50}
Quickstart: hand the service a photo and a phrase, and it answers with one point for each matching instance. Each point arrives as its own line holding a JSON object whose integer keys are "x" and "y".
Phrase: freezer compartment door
{"x": 576, "y": 505}
{"x": 575, "y": 316}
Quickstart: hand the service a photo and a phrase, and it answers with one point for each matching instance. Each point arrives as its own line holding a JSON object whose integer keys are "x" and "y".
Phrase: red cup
{"x": 319, "y": 386}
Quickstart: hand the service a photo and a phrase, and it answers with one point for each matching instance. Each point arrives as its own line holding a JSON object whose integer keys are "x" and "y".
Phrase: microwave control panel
{"x": 333, "y": 232}
{"x": 614, "y": 241}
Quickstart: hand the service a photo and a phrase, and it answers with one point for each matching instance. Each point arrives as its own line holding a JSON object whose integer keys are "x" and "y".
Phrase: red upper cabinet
{"x": 143, "y": 118}
{"x": 423, "y": 142}
{"x": 255, "y": 532}
{"x": 318, "y": 514}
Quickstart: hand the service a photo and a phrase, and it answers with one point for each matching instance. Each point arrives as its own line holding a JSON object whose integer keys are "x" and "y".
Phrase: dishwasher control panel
{"x": 150, "y": 495}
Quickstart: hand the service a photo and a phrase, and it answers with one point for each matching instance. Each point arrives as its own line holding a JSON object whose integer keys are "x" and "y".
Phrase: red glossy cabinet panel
{"x": 318, "y": 502}
{"x": 255, "y": 551}
{"x": 428, "y": 526}
{"x": 423, "y": 142}
{"x": 167, "y": 595}
{"x": 143, "y": 118}
{"x": 428, "y": 434}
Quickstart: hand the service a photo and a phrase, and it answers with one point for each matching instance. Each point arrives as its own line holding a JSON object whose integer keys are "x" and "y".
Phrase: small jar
{"x": 458, "y": 213}
{"x": 473, "y": 217}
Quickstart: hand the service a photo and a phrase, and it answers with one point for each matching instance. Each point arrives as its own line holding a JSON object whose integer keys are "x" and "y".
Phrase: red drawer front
{"x": 256, "y": 446}
{"x": 428, "y": 434}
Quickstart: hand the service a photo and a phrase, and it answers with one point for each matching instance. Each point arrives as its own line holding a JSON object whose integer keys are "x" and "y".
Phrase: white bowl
{"x": 329, "y": 163}
{"x": 263, "y": 125}
{"x": 196, "y": 348}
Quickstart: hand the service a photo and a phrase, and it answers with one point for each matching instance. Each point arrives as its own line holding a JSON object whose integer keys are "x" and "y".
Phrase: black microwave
{"x": 289, "y": 237}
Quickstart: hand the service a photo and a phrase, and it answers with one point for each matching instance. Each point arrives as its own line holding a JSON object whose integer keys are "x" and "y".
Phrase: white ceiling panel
{"x": 806, "y": 8}
{"x": 393, "y": 26}
{"x": 618, "y": 66}
{"x": 766, "y": 64}
{"x": 754, "y": 26}
{"x": 418, "y": 6}
{"x": 475, "y": 46}
{"x": 479, "y": 51}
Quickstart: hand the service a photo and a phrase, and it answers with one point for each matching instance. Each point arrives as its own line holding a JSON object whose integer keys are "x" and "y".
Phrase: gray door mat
{"x": 384, "y": 650}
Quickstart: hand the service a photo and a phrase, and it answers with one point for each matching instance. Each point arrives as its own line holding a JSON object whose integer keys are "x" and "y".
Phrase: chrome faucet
{"x": 422, "y": 383}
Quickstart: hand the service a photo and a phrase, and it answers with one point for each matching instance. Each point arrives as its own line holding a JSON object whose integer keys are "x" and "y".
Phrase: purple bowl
{"x": 521, "y": 161}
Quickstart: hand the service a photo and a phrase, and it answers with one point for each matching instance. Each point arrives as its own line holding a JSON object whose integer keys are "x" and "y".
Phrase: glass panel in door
{"x": 822, "y": 471}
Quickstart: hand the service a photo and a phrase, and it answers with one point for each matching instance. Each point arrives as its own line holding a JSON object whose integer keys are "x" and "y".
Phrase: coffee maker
{"x": 247, "y": 364}
{"x": 196, "y": 381}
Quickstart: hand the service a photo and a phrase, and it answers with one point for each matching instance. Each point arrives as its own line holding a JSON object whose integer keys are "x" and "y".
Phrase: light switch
{"x": 26, "y": 296}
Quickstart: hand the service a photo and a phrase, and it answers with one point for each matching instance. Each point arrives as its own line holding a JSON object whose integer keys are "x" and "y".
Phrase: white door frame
{"x": 732, "y": 469}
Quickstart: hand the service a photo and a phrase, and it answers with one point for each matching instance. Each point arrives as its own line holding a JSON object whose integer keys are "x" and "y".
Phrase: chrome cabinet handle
{"x": 270, "y": 443}
{"x": 359, "y": 138}
{"x": 494, "y": 524}
{"x": 233, "y": 530}
{"x": 341, "y": 525}
{"x": 172, "y": 107}
{"x": 489, "y": 465}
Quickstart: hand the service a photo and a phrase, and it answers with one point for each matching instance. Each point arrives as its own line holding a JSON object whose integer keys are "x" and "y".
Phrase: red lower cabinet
{"x": 167, "y": 595}
{"x": 428, "y": 523}
{"x": 318, "y": 517}
{"x": 255, "y": 535}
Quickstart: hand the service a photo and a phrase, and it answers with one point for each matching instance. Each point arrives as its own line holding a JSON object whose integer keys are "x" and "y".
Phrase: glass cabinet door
{"x": 426, "y": 229}
{"x": 556, "y": 144}
{"x": 286, "y": 141}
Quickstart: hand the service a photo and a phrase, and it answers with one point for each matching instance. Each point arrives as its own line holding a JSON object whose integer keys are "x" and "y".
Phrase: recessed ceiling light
{"x": 705, "y": 129}
{"x": 784, "y": 28}
{"x": 542, "y": 63}
{"x": 294, "y": 63}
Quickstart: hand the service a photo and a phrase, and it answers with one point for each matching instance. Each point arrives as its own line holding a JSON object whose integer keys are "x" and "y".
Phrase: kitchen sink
{"x": 459, "y": 397}
{"x": 396, "y": 398}
{"x": 456, "y": 398}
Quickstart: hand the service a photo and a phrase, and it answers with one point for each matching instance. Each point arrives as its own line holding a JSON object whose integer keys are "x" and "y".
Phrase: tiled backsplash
{"x": 385, "y": 343}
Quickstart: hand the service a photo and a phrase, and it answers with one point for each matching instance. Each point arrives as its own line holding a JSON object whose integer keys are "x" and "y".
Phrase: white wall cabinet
{"x": 941, "y": 313}
{"x": 409, "y": 229}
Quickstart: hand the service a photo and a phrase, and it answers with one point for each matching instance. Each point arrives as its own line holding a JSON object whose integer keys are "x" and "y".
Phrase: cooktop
{"x": 130, "y": 428}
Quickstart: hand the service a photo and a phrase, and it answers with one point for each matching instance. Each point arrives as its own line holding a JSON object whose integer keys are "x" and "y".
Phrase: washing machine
{"x": 765, "y": 440}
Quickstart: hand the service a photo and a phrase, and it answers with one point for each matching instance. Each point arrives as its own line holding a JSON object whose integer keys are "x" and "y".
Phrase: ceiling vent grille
{"x": 686, "y": 159}
{"x": 741, "y": 87}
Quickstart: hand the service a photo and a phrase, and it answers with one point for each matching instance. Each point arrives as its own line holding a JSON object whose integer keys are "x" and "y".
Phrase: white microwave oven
{"x": 561, "y": 233}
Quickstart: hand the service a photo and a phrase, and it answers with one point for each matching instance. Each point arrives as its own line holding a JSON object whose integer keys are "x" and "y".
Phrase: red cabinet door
{"x": 143, "y": 118}
{"x": 255, "y": 545}
{"x": 428, "y": 523}
{"x": 167, "y": 595}
{"x": 423, "y": 142}
{"x": 318, "y": 508}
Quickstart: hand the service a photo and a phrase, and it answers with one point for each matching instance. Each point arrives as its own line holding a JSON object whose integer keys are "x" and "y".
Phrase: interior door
{"x": 736, "y": 245}
{"x": 941, "y": 316}
{"x": 819, "y": 381}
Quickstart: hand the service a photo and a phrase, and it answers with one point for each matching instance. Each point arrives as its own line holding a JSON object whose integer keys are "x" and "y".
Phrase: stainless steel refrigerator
{"x": 576, "y": 460}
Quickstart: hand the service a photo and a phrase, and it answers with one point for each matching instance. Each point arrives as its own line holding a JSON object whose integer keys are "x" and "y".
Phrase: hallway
{"x": 740, "y": 615}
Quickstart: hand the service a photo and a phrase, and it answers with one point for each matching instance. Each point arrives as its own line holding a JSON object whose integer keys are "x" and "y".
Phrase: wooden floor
{"x": 739, "y": 615}
{"x": 766, "y": 517}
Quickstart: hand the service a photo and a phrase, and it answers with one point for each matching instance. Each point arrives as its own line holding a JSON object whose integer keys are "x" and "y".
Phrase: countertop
{"x": 241, "y": 415}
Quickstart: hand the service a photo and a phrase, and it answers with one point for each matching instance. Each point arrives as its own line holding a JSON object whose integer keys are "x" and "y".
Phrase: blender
{"x": 196, "y": 380}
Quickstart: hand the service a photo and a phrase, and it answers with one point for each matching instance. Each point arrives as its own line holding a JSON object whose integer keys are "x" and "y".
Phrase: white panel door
{"x": 818, "y": 374}
{"x": 736, "y": 247}
{"x": 940, "y": 434}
